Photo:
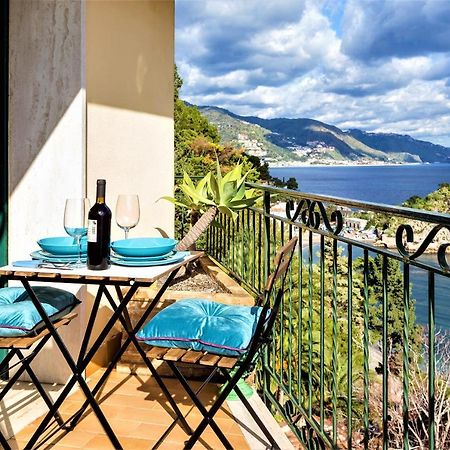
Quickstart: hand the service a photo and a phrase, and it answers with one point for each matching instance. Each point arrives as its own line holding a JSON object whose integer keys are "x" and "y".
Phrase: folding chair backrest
{"x": 277, "y": 279}
{"x": 281, "y": 264}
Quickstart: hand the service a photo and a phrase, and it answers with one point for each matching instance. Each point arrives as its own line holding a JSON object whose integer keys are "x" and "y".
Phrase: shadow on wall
{"x": 48, "y": 70}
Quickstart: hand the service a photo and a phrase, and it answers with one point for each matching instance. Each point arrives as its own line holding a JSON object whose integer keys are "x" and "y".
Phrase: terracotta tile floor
{"x": 138, "y": 414}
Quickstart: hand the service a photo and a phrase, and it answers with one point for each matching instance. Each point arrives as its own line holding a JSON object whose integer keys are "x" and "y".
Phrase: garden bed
{"x": 197, "y": 280}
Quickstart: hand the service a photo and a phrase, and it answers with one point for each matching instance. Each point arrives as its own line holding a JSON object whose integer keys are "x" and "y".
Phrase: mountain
{"x": 390, "y": 142}
{"x": 286, "y": 141}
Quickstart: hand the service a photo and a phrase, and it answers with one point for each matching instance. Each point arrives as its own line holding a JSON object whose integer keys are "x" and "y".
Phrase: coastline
{"x": 296, "y": 164}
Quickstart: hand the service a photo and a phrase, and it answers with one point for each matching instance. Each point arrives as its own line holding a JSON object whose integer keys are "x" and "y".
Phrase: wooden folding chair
{"x": 232, "y": 368}
{"x": 15, "y": 345}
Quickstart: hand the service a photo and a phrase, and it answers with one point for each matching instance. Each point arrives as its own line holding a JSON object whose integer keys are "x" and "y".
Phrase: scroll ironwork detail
{"x": 312, "y": 213}
{"x": 405, "y": 234}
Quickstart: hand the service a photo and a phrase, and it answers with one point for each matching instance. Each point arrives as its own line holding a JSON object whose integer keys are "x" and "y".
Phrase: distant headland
{"x": 285, "y": 142}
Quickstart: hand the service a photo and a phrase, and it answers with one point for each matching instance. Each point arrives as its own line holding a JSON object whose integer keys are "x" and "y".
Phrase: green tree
{"x": 212, "y": 195}
{"x": 197, "y": 144}
{"x": 292, "y": 184}
{"x": 197, "y": 147}
{"x": 299, "y": 332}
{"x": 261, "y": 167}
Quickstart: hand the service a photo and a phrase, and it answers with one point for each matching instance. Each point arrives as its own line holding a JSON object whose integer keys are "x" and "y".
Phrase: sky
{"x": 376, "y": 65}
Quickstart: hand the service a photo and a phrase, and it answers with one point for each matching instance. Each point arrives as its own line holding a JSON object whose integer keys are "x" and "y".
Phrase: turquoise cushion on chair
{"x": 18, "y": 315}
{"x": 200, "y": 324}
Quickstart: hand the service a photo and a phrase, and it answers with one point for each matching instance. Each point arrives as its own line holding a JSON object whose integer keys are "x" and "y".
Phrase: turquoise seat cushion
{"x": 18, "y": 315}
{"x": 203, "y": 325}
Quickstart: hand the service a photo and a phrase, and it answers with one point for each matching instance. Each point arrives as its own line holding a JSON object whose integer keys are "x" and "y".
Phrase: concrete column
{"x": 47, "y": 134}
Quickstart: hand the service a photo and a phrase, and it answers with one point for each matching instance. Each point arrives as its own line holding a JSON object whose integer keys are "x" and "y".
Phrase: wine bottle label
{"x": 92, "y": 231}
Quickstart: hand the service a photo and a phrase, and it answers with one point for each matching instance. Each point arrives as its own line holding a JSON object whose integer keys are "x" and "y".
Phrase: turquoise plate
{"x": 39, "y": 254}
{"x": 152, "y": 246}
{"x": 143, "y": 258}
{"x": 62, "y": 245}
{"x": 179, "y": 256}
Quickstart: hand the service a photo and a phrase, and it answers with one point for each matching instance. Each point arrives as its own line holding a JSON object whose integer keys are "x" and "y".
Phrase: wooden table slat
{"x": 94, "y": 277}
{"x": 25, "y": 274}
{"x": 71, "y": 276}
{"x": 47, "y": 275}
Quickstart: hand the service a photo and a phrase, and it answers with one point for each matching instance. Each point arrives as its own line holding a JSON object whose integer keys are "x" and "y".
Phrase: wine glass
{"x": 127, "y": 212}
{"x": 76, "y": 221}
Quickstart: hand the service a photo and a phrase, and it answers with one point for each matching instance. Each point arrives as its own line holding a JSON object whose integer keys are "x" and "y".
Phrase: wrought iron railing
{"x": 357, "y": 358}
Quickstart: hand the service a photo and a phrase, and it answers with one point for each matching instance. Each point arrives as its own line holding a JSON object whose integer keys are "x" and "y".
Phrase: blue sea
{"x": 389, "y": 185}
{"x": 380, "y": 184}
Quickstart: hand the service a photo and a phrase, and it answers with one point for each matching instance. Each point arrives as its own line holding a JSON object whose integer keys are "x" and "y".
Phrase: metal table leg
{"x": 119, "y": 314}
{"x": 77, "y": 371}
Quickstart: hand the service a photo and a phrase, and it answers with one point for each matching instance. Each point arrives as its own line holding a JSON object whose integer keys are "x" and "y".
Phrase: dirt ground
{"x": 196, "y": 279}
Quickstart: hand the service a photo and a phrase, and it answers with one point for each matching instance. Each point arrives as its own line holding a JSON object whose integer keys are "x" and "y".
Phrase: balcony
{"x": 359, "y": 356}
{"x": 354, "y": 362}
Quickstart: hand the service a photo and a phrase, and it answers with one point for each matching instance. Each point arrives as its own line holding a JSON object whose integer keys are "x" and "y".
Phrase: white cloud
{"x": 386, "y": 28}
{"x": 290, "y": 59}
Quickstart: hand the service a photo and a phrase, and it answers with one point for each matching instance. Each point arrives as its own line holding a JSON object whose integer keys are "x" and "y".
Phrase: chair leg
{"x": 25, "y": 366}
{"x": 76, "y": 371}
{"x": 226, "y": 389}
{"x": 253, "y": 413}
{"x": 170, "y": 427}
{"x": 24, "y": 360}
{"x": 4, "y": 364}
{"x": 166, "y": 392}
{"x": 3, "y": 442}
{"x": 48, "y": 401}
{"x": 126, "y": 323}
{"x": 208, "y": 415}
{"x": 10, "y": 383}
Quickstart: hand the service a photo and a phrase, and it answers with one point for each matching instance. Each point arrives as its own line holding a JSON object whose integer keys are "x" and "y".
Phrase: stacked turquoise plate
{"x": 144, "y": 252}
{"x": 62, "y": 249}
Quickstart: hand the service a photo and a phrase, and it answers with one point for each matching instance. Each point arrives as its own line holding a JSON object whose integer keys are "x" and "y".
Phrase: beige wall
{"x": 130, "y": 57}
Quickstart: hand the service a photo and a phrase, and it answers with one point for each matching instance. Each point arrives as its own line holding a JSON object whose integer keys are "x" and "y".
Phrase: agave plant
{"x": 214, "y": 193}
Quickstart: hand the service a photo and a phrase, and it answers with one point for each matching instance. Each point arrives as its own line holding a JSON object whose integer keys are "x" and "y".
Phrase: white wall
{"x": 47, "y": 135}
{"x": 46, "y": 119}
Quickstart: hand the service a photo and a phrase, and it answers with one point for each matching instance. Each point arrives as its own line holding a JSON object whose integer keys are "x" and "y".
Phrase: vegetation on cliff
{"x": 198, "y": 143}
{"x": 438, "y": 201}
